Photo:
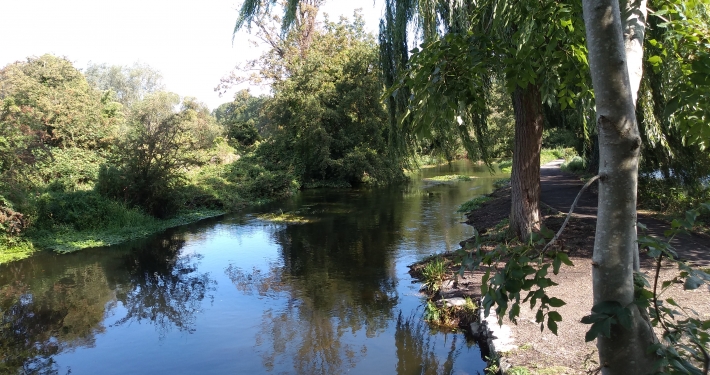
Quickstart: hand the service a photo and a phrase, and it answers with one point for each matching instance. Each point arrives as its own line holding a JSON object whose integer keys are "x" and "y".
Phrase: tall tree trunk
{"x": 633, "y": 20}
{"x": 525, "y": 177}
{"x": 619, "y": 145}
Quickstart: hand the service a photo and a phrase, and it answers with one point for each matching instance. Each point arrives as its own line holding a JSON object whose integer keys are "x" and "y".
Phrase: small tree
{"x": 149, "y": 163}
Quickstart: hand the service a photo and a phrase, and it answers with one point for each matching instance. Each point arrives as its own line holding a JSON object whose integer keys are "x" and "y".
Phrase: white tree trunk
{"x": 633, "y": 17}
{"x": 619, "y": 146}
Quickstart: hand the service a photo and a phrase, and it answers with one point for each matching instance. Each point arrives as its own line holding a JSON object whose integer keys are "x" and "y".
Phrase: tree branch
{"x": 571, "y": 209}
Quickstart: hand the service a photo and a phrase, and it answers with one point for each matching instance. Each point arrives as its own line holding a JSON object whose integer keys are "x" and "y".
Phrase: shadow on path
{"x": 559, "y": 189}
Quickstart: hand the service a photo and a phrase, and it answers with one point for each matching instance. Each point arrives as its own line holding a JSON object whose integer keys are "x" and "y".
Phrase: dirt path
{"x": 567, "y": 353}
{"x": 560, "y": 188}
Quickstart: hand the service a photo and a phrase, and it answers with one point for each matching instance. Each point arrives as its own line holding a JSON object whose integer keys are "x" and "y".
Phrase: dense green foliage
{"x": 239, "y": 118}
{"x": 472, "y": 57}
{"x": 673, "y": 105}
{"x": 148, "y": 165}
{"x": 330, "y": 124}
{"x": 78, "y": 168}
{"x": 93, "y": 159}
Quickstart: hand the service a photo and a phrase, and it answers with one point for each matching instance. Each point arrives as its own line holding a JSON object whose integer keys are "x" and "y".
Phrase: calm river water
{"x": 241, "y": 295}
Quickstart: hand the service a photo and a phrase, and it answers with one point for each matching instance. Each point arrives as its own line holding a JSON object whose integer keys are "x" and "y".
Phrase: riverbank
{"x": 530, "y": 351}
{"x": 68, "y": 240}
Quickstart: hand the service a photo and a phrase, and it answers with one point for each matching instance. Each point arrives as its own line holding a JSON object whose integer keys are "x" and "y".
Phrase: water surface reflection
{"x": 244, "y": 295}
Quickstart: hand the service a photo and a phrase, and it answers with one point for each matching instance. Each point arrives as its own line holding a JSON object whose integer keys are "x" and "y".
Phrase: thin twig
{"x": 655, "y": 294}
{"x": 571, "y": 209}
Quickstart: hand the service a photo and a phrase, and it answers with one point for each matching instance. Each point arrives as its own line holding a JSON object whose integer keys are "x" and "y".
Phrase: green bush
{"x": 70, "y": 169}
{"x": 575, "y": 165}
{"x": 83, "y": 210}
{"x": 501, "y": 182}
{"x": 670, "y": 197}
{"x": 473, "y": 204}
{"x": 558, "y": 138}
{"x": 148, "y": 166}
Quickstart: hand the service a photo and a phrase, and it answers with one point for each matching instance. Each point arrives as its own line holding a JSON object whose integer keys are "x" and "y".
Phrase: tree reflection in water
{"x": 163, "y": 287}
{"x": 41, "y": 319}
{"x": 415, "y": 349}
{"x": 336, "y": 279}
{"x": 52, "y": 304}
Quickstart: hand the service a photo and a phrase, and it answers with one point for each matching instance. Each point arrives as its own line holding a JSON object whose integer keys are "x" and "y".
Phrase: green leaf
{"x": 565, "y": 259}
{"x": 625, "y": 318}
{"x": 514, "y": 312}
{"x": 547, "y": 233}
{"x": 556, "y": 263}
{"x": 555, "y": 316}
{"x": 591, "y": 335}
{"x": 655, "y": 60}
{"x": 607, "y": 307}
{"x": 692, "y": 282}
{"x": 552, "y": 326}
{"x": 484, "y": 282}
{"x": 556, "y": 302}
{"x": 605, "y": 327}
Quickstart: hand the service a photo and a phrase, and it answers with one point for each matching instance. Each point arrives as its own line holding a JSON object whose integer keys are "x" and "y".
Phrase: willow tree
{"x": 675, "y": 98}
{"x": 465, "y": 45}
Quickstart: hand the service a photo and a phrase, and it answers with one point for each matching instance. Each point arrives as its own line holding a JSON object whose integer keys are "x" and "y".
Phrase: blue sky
{"x": 190, "y": 44}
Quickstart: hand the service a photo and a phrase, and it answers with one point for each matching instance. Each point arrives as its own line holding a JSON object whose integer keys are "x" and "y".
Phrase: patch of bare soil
{"x": 566, "y": 352}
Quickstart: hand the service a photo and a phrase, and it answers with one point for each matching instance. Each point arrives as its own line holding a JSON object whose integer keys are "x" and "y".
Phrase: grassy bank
{"x": 66, "y": 240}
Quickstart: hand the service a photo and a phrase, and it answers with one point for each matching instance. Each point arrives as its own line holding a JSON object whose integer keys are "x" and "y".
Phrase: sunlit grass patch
{"x": 434, "y": 273}
{"x": 505, "y": 166}
{"x": 285, "y": 217}
{"x": 449, "y": 178}
{"x": 17, "y": 250}
{"x": 67, "y": 240}
{"x": 473, "y": 204}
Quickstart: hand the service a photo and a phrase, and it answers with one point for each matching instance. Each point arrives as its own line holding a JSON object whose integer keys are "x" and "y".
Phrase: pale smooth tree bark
{"x": 619, "y": 146}
{"x": 633, "y": 18}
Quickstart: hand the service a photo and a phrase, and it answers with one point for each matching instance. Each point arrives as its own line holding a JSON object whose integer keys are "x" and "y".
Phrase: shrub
{"x": 70, "y": 169}
{"x": 575, "y": 165}
{"x": 83, "y": 210}
{"x": 149, "y": 164}
{"x": 473, "y": 204}
{"x": 501, "y": 182}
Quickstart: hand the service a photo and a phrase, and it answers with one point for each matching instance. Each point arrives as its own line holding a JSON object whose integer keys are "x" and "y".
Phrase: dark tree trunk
{"x": 525, "y": 178}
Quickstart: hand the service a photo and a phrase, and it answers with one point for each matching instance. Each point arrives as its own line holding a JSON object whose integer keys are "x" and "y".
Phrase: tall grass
{"x": 434, "y": 273}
